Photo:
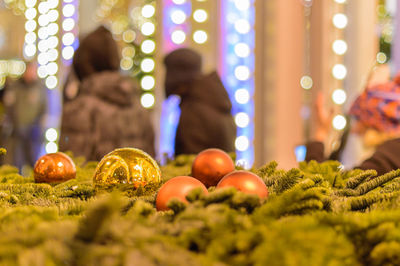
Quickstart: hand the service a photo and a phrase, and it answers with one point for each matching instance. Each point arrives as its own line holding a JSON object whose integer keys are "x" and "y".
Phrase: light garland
{"x": 238, "y": 71}
{"x": 69, "y": 26}
{"x": 200, "y": 16}
{"x": 339, "y": 70}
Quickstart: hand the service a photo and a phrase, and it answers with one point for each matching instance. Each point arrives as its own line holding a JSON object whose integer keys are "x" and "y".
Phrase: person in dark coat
{"x": 106, "y": 113}
{"x": 206, "y": 120}
{"x": 25, "y": 102}
{"x": 376, "y": 115}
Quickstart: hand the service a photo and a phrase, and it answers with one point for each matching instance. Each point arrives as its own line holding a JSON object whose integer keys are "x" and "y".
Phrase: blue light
{"x": 230, "y": 60}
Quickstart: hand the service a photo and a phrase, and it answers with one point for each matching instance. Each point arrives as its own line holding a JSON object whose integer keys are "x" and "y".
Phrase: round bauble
{"x": 54, "y": 168}
{"x": 246, "y": 182}
{"x": 177, "y": 187}
{"x": 127, "y": 166}
{"x": 211, "y": 165}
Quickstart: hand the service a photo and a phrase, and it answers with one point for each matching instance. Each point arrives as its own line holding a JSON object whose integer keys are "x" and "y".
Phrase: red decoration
{"x": 54, "y": 168}
{"x": 246, "y": 182}
{"x": 211, "y": 165}
{"x": 177, "y": 187}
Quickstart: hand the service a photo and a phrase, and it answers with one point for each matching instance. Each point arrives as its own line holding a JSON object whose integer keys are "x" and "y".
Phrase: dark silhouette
{"x": 206, "y": 120}
{"x": 106, "y": 112}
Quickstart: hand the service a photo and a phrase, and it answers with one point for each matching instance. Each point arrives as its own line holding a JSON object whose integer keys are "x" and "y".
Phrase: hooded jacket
{"x": 206, "y": 120}
{"x": 104, "y": 116}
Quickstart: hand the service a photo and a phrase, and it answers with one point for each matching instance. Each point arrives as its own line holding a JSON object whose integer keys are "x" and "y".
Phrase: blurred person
{"x": 206, "y": 120}
{"x": 25, "y": 103}
{"x": 105, "y": 112}
{"x": 375, "y": 115}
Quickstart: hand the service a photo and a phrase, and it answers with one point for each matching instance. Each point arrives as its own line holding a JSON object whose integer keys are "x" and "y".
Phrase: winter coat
{"x": 385, "y": 158}
{"x": 206, "y": 120}
{"x": 104, "y": 116}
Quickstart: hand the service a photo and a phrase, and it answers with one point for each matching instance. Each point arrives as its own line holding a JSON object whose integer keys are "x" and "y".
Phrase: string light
{"x": 238, "y": 39}
{"x": 339, "y": 70}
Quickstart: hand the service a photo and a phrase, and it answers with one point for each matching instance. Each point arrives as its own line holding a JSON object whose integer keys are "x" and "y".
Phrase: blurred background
{"x": 273, "y": 56}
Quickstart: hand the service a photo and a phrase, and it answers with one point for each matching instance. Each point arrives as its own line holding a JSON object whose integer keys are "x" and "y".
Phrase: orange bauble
{"x": 54, "y": 168}
{"x": 177, "y": 187}
{"x": 246, "y": 182}
{"x": 211, "y": 165}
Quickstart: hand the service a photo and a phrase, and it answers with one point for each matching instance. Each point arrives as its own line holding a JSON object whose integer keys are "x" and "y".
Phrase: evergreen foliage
{"x": 316, "y": 214}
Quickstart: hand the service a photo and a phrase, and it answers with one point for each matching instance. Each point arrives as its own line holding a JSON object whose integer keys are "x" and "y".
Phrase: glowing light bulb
{"x": 42, "y": 71}
{"x": 126, "y": 63}
{"x": 339, "y": 96}
{"x": 340, "y": 20}
{"x": 200, "y": 15}
{"x": 242, "y": 50}
{"x": 51, "y": 82}
{"x": 179, "y": 2}
{"x": 30, "y": 50}
{"x": 242, "y": 143}
{"x": 306, "y": 82}
{"x": 339, "y": 122}
{"x": 30, "y": 13}
{"x": 148, "y": 28}
{"x": 178, "y": 17}
{"x": 340, "y": 1}
{"x": 51, "y": 147}
{"x": 43, "y": 33}
{"x": 200, "y": 36}
{"x": 30, "y": 25}
{"x": 148, "y": 46}
{"x": 339, "y": 71}
{"x": 68, "y": 24}
{"x": 242, "y": 119}
{"x": 68, "y": 38}
{"x": 242, "y": 72}
{"x": 129, "y": 36}
{"x": 43, "y": 7}
{"x": 68, "y": 52}
{"x": 178, "y": 37}
{"x": 51, "y": 134}
{"x": 147, "y": 100}
{"x": 242, "y": 26}
{"x": 30, "y": 37}
{"x": 148, "y": 11}
{"x": 381, "y": 58}
{"x": 147, "y": 65}
{"x": 339, "y": 47}
{"x": 30, "y": 3}
{"x": 52, "y": 29}
{"x": 68, "y": 10}
{"x": 242, "y": 5}
{"x": 52, "y": 15}
{"x": 147, "y": 82}
{"x": 52, "y": 68}
{"x": 242, "y": 96}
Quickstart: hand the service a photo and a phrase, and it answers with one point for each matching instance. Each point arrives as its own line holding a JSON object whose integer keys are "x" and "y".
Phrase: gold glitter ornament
{"x": 127, "y": 166}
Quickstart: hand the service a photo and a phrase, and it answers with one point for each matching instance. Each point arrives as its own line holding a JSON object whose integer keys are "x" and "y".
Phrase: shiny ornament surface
{"x": 54, "y": 168}
{"x": 177, "y": 187}
{"x": 246, "y": 182}
{"x": 127, "y": 166}
{"x": 211, "y": 165}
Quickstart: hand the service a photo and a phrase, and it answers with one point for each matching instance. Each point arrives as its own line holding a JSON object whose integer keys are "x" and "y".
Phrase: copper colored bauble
{"x": 127, "y": 166}
{"x": 246, "y": 182}
{"x": 54, "y": 168}
{"x": 177, "y": 187}
{"x": 211, "y": 165}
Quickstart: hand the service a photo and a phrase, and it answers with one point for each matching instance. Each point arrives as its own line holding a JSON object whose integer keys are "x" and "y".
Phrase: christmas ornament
{"x": 177, "y": 187}
{"x": 246, "y": 182}
{"x": 211, "y": 165}
{"x": 54, "y": 168}
{"x": 127, "y": 166}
